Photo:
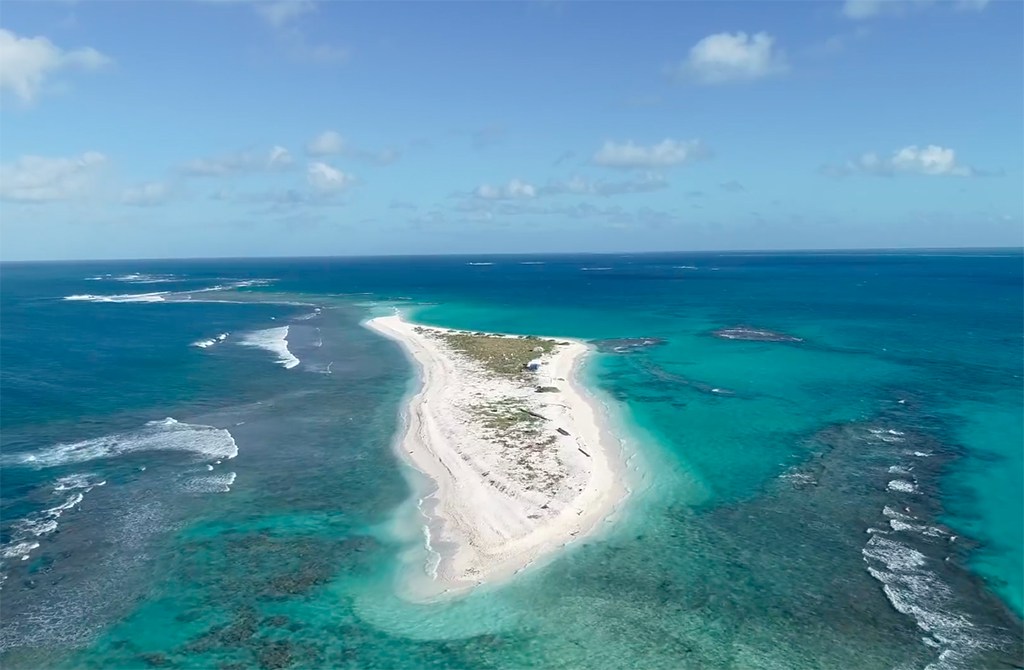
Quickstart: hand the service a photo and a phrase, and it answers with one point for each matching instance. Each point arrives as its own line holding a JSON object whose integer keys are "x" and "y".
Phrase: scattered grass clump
{"x": 505, "y": 416}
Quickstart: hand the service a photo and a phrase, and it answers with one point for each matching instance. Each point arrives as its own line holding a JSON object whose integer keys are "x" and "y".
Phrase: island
{"x": 519, "y": 453}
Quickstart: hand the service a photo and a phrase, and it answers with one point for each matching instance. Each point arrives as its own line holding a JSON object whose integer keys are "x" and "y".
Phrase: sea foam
{"x": 125, "y": 297}
{"x": 165, "y": 435}
{"x": 274, "y": 340}
{"x": 78, "y": 480}
{"x": 20, "y": 550}
{"x": 918, "y": 592}
{"x": 901, "y": 485}
{"x": 135, "y": 278}
{"x": 144, "y": 278}
{"x": 206, "y": 344}
{"x": 26, "y": 532}
{"x": 214, "y": 483}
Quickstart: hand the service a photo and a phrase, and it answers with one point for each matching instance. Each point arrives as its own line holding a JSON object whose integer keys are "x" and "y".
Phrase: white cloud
{"x": 327, "y": 143}
{"x": 869, "y": 9}
{"x": 520, "y": 191}
{"x": 612, "y": 216}
{"x": 144, "y": 195}
{"x": 931, "y": 160}
{"x": 280, "y": 13}
{"x": 513, "y": 190}
{"x": 327, "y": 180}
{"x": 331, "y": 143}
{"x": 40, "y": 179}
{"x": 730, "y": 57}
{"x": 276, "y": 158}
{"x": 27, "y": 62}
{"x": 283, "y": 18}
{"x": 277, "y": 13}
{"x": 577, "y": 185}
{"x": 666, "y": 153}
{"x": 862, "y": 9}
{"x": 279, "y": 157}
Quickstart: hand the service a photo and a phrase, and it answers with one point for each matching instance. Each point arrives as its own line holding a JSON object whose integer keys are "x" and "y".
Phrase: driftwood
{"x": 563, "y": 431}
{"x": 583, "y": 452}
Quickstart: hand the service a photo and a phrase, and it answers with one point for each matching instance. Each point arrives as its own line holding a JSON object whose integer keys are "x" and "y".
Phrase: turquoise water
{"x": 757, "y": 534}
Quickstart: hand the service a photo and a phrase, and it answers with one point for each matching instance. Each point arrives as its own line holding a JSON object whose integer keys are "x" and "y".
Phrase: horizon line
{"x": 830, "y": 251}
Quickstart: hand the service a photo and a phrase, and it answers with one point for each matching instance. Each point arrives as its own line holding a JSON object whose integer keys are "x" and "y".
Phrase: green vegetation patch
{"x": 504, "y": 416}
{"x": 504, "y": 355}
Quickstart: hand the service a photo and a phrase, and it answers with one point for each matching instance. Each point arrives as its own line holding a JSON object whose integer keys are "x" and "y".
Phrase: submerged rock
{"x": 625, "y": 345}
{"x": 754, "y": 334}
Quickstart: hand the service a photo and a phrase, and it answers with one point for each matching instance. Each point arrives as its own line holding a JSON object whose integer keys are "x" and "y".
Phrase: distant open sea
{"x": 197, "y": 478}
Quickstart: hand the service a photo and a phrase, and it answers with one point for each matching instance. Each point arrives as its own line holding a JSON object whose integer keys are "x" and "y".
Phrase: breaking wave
{"x": 126, "y": 297}
{"x": 274, "y": 340}
{"x": 136, "y": 278}
{"x": 206, "y": 344}
{"x": 213, "y": 483}
{"x": 166, "y": 435}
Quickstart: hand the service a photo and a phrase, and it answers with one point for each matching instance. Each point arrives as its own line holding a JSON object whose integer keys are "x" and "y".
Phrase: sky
{"x": 231, "y": 128}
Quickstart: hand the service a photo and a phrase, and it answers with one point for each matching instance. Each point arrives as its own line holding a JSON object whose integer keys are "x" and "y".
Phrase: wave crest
{"x": 166, "y": 435}
{"x": 274, "y": 340}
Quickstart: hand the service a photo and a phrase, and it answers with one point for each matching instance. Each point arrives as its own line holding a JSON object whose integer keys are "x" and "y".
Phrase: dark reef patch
{"x": 751, "y": 334}
{"x": 626, "y": 345}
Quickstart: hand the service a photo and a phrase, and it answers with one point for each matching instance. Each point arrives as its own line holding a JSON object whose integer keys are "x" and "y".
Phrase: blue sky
{"x": 235, "y": 128}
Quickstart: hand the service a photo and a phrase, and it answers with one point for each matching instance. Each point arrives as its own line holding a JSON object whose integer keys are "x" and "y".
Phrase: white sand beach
{"x": 519, "y": 472}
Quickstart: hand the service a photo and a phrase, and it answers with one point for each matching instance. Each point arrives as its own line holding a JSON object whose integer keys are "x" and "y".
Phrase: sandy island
{"x": 521, "y": 457}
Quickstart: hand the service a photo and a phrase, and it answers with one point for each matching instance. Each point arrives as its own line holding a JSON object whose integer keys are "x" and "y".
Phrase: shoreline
{"x": 499, "y": 503}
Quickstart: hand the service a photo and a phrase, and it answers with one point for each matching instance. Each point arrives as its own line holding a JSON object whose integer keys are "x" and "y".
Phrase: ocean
{"x": 197, "y": 465}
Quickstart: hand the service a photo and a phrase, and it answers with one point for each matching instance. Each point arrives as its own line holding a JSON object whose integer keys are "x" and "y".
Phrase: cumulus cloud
{"x": 522, "y": 192}
{"x": 327, "y": 180}
{"x": 283, "y": 17}
{"x": 331, "y": 143}
{"x": 276, "y": 158}
{"x": 859, "y": 10}
{"x": 279, "y": 158}
{"x": 732, "y": 57}
{"x": 931, "y": 160}
{"x": 281, "y": 13}
{"x": 146, "y": 195}
{"x": 40, "y": 179}
{"x": 576, "y": 185}
{"x": 612, "y": 216}
{"x": 666, "y": 153}
{"x": 327, "y": 143}
{"x": 26, "y": 63}
{"x": 513, "y": 190}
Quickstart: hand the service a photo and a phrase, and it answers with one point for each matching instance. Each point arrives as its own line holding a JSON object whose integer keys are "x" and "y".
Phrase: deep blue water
{"x": 853, "y": 499}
